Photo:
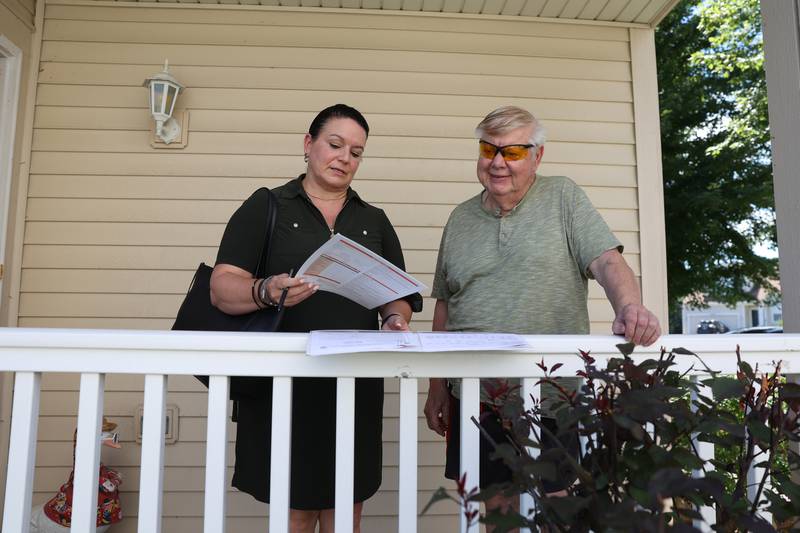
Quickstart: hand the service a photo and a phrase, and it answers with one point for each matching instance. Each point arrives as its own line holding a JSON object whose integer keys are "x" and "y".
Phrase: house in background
{"x": 764, "y": 310}
{"x": 104, "y": 226}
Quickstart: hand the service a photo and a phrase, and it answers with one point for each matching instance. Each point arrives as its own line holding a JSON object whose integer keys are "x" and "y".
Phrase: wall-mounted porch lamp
{"x": 164, "y": 91}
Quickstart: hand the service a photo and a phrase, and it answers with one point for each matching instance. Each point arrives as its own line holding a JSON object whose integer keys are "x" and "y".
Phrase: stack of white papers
{"x": 326, "y": 342}
{"x": 344, "y": 267}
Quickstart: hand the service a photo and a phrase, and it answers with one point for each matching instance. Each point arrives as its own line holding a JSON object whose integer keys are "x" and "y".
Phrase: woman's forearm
{"x": 399, "y": 311}
{"x": 233, "y": 293}
{"x": 397, "y": 307}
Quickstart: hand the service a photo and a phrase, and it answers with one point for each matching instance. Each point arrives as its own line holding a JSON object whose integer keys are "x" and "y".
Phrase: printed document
{"x": 327, "y": 342}
{"x": 344, "y": 267}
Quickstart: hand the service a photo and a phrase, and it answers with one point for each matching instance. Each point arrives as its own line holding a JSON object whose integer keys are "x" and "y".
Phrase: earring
{"x": 305, "y": 158}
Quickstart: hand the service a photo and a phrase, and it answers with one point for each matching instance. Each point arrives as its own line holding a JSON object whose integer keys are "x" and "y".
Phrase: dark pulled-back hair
{"x": 337, "y": 111}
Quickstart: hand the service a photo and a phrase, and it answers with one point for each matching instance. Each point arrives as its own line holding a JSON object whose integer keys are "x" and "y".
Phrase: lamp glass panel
{"x": 158, "y": 96}
{"x": 172, "y": 92}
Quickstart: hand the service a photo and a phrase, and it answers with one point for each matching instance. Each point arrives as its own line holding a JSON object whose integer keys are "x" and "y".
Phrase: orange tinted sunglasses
{"x": 510, "y": 152}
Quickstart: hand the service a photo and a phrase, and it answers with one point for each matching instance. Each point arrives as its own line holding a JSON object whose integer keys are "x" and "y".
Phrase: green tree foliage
{"x": 716, "y": 151}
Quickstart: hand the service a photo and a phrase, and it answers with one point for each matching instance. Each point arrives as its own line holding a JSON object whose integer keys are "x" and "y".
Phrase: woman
{"x": 311, "y": 208}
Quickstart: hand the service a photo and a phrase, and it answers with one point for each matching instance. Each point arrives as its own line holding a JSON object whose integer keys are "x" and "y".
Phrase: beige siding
{"x": 114, "y": 228}
{"x": 17, "y": 11}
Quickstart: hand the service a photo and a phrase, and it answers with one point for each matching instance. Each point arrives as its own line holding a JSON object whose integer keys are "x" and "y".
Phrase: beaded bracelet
{"x": 263, "y": 293}
{"x": 253, "y": 294}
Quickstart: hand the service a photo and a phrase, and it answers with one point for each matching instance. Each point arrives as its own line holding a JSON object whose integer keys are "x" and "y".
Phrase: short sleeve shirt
{"x": 299, "y": 230}
{"x": 526, "y": 272}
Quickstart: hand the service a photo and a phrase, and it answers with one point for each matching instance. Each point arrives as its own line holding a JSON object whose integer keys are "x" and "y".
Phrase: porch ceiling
{"x": 649, "y": 12}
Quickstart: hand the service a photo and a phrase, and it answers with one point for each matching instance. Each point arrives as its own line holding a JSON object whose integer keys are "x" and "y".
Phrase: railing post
{"x": 152, "y": 468}
{"x": 705, "y": 451}
{"x": 470, "y": 442}
{"x": 345, "y": 442}
{"x": 22, "y": 447}
{"x": 407, "y": 519}
{"x": 583, "y": 440}
{"x": 281, "y": 455}
{"x": 87, "y": 453}
{"x": 216, "y": 452}
{"x": 754, "y": 476}
{"x": 530, "y": 396}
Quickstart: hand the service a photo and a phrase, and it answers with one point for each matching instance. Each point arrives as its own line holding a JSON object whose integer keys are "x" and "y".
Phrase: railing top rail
{"x": 283, "y": 354}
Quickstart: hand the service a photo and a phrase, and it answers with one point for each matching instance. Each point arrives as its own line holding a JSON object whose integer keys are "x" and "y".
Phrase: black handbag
{"x": 198, "y": 314}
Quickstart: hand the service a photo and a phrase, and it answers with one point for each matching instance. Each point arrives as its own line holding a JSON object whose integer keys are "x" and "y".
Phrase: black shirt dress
{"x": 301, "y": 229}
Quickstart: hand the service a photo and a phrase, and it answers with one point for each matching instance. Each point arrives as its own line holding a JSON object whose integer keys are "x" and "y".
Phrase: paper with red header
{"x": 344, "y": 267}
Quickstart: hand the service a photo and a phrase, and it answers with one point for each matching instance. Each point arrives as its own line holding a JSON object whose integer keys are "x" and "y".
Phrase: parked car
{"x": 711, "y": 326}
{"x": 758, "y": 329}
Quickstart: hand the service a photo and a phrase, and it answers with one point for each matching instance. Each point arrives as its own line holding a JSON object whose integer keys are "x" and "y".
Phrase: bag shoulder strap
{"x": 271, "y": 212}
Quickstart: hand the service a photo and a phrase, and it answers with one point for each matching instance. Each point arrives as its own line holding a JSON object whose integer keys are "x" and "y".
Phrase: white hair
{"x": 508, "y": 118}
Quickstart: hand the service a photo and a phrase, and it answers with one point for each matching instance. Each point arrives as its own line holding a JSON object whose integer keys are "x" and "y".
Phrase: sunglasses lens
{"x": 515, "y": 153}
{"x": 487, "y": 150}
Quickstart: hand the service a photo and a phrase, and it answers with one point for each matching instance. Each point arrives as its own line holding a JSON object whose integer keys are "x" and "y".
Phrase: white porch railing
{"x": 156, "y": 354}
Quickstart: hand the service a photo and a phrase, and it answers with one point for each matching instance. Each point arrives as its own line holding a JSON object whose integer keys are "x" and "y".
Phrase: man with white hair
{"x": 517, "y": 258}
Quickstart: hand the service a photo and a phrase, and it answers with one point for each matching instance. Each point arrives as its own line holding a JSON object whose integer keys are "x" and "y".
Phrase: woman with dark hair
{"x": 311, "y": 208}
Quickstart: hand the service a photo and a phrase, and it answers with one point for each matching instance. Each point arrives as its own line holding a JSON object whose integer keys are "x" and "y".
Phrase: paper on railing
{"x": 327, "y": 342}
{"x": 452, "y": 341}
{"x": 344, "y": 267}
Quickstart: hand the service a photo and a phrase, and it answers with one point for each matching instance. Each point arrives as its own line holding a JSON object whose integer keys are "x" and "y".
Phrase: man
{"x": 517, "y": 258}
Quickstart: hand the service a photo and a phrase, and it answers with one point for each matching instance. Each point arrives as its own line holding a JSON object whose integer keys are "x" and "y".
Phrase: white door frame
{"x": 11, "y": 57}
{"x": 10, "y": 78}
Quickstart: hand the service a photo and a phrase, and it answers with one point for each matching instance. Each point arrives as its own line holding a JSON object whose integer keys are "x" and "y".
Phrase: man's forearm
{"x": 632, "y": 319}
{"x": 618, "y": 280}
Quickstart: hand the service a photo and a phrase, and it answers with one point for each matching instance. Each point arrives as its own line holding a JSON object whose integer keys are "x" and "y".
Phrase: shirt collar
{"x": 295, "y": 188}
{"x": 495, "y": 213}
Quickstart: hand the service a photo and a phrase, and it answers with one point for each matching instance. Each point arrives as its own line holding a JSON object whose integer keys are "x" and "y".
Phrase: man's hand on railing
{"x": 437, "y": 406}
{"x": 638, "y": 324}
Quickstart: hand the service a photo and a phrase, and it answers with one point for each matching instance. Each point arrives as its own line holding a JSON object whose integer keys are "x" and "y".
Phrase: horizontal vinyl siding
{"x": 20, "y": 10}
{"x": 115, "y": 228}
